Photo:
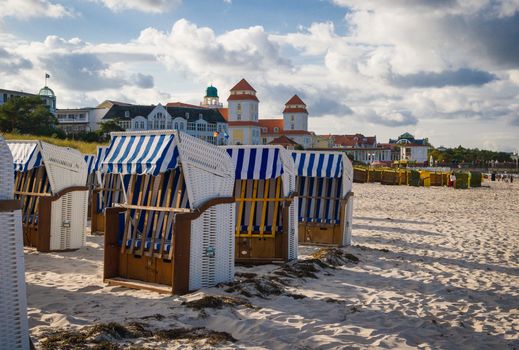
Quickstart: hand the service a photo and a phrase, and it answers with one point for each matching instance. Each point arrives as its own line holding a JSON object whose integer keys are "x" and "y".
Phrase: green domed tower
{"x": 211, "y": 91}
{"x": 211, "y": 99}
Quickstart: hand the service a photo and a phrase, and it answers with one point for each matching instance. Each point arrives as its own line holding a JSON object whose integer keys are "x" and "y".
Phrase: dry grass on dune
{"x": 82, "y": 146}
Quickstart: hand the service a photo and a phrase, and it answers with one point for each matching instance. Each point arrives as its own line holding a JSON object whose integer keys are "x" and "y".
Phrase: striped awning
{"x": 317, "y": 164}
{"x": 90, "y": 162}
{"x": 101, "y": 153}
{"x": 140, "y": 154}
{"x": 26, "y": 155}
{"x": 256, "y": 163}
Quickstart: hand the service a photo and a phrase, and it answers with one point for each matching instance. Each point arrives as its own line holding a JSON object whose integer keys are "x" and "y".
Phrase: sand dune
{"x": 438, "y": 269}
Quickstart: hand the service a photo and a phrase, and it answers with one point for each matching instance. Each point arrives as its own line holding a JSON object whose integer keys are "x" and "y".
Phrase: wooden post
{"x": 264, "y": 208}
{"x": 243, "y": 189}
{"x": 166, "y": 215}
{"x": 276, "y": 206}
{"x": 252, "y": 206}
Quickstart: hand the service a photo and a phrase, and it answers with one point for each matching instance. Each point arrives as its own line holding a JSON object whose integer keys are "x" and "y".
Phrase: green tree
{"x": 28, "y": 115}
{"x": 109, "y": 126}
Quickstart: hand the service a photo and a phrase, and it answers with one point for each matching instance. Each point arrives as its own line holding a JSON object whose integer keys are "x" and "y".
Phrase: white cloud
{"x": 25, "y": 9}
{"x": 153, "y": 6}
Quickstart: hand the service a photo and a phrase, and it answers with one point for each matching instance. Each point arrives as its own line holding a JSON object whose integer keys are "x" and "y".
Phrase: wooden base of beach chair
{"x": 132, "y": 270}
{"x": 134, "y": 284}
{"x": 32, "y": 238}
{"x": 166, "y": 273}
{"x": 320, "y": 234}
{"x": 97, "y": 219}
{"x": 257, "y": 250}
{"x": 97, "y": 223}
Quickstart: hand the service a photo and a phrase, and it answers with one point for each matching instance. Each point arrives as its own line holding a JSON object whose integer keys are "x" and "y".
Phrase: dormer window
{"x": 127, "y": 114}
{"x": 200, "y": 115}
{"x": 187, "y": 115}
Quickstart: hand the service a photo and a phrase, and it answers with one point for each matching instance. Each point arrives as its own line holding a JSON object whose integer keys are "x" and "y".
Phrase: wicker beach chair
{"x": 266, "y": 205}
{"x": 14, "y": 333}
{"x": 173, "y": 233}
{"x": 50, "y": 181}
{"x": 324, "y": 186}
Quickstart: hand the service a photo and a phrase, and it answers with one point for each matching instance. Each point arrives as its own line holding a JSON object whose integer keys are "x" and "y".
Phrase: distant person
{"x": 493, "y": 176}
{"x": 452, "y": 182}
{"x": 511, "y": 178}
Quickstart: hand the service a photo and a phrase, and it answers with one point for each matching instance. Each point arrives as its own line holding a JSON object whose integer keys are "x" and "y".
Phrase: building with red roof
{"x": 242, "y": 114}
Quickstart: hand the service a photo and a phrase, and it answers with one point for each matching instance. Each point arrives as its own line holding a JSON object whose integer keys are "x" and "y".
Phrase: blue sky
{"x": 447, "y": 70}
{"x": 94, "y": 21}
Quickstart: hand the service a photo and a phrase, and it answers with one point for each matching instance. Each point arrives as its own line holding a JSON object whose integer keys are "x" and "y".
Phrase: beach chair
{"x": 390, "y": 177}
{"x": 14, "y": 331}
{"x": 425, "y": 178}
{"x": 50, "y": 181}
{"x": 266, "y": 209}
{"x": 173, "y": 233}
{"x": 324, "y": 187}
{"x": 439, "y": 178}
{"x": 107, "y": 191}
{"x": 90, "y": 183}
{"x": 361, "y": 174}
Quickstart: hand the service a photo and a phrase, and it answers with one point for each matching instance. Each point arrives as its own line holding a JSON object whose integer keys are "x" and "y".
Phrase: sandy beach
{"x": 437, "y": 269}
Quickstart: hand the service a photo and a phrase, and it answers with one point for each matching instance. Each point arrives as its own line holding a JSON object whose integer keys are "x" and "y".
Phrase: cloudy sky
{"x": 443, "y": 69}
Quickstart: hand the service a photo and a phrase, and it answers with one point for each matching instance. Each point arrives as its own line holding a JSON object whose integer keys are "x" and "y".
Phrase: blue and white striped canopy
{"x": 101, "y": 153}
{"x": 317, "y": 164}
{"x": 90, "y": 162}
{"x": 26, "y": 155}
{"x": 256, "y": 163}
{"x": 140, "y": 154}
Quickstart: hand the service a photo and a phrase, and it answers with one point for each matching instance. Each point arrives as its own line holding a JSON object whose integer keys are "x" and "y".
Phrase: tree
{"x": 28, "y": 115}
{"x": 109, "y": 126}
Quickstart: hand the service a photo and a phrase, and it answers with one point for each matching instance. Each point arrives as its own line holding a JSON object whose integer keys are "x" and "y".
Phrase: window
{"x": 127, "y": 114}
{"x": 200, "y": 127}
{"x": 291, "y": 126}
{"x": 211, "y": 139}
{"x": 292, "y": 117}
{"x": 238, "y": 116}
{"x": 211, "y": 127}
{"x": 176, "y": 125}
{"x": 181, "y": 126}
{"x": 125, "y": 124}
{"x": 169, "y": 124}
{"x": 191, "y": 126}
{"x": 162, "y": 125}
{"x": 276, "y": 129}
{"x": 264, "y": 130}
{"x": 238, "y": 107}
{"x": 187, "y": 115}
